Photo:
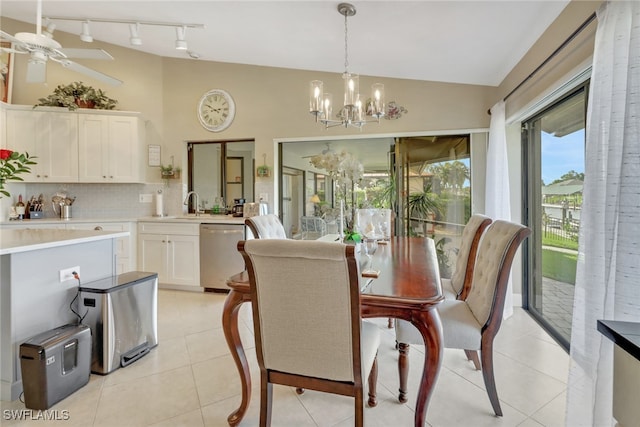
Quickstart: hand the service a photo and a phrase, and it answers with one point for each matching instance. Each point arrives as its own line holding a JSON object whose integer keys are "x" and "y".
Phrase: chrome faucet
{"x": 186, "y": 202}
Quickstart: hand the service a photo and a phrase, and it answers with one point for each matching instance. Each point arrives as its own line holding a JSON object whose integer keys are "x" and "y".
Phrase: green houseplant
{"x": 77, "y": 95}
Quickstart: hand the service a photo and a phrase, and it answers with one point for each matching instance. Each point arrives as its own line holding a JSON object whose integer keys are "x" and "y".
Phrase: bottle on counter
{"x": 20, "y": 207}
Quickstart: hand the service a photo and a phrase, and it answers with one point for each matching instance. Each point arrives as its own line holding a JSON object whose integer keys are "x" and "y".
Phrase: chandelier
{"x": 352, "y": 112}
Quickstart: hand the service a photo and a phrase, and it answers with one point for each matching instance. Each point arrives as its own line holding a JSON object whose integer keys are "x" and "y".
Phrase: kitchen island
{"x": 33, "y": 299}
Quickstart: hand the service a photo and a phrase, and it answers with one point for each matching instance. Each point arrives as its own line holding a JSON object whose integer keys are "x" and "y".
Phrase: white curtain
{"x": 608, "y": 277}
{"x": 497, "y": 202}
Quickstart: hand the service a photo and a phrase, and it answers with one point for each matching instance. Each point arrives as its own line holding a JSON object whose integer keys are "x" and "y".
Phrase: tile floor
{"x": 191, "y": 380}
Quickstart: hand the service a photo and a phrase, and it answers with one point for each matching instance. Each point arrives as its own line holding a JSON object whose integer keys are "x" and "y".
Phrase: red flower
{"x": 5, "y": 154}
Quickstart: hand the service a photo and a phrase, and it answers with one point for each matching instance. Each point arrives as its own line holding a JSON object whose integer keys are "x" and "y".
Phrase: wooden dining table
{"x": 407, "y": 287}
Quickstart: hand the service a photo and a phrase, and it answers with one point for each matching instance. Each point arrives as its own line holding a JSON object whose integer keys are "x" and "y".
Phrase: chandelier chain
{"x": 346, "y": 45}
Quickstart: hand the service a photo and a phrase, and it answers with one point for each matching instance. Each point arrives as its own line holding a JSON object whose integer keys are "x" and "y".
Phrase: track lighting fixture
{"x": 181, "y": 43}
{"x": 134, "y": 29}
{"x": 85, "y": 35}
{"x": 135, "y": 34}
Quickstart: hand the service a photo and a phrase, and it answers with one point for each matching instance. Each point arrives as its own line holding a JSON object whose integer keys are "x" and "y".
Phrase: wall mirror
{"x": 220, "y": 171}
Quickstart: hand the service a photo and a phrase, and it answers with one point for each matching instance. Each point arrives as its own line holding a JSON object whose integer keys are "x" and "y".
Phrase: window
{"x": 554, "y": 150}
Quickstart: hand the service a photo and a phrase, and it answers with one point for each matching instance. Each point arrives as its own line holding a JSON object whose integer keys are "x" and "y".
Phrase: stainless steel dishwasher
{"x": 219, "y": 256}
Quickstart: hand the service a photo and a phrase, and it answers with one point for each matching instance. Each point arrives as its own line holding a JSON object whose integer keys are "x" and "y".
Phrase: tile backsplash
{"x": 106, "y": 200}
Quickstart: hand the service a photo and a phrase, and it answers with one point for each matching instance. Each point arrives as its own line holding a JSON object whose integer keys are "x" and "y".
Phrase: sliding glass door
{"x": 554, "y": 160}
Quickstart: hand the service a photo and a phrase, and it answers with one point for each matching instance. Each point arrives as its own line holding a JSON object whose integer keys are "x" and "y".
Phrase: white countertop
{"x": 202, "y": 219}
{"x": 15, "y": 241}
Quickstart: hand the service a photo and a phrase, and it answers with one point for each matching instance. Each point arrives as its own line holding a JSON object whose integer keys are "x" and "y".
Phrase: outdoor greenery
{"x": 75, "y": 95}
{"x": 569, "y": 175}
{"x": 559, "y": 266}
{"x": 557, "y": 241}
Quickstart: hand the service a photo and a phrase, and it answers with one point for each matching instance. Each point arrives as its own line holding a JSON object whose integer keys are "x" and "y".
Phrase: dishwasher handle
{"x": 222, "y": 231}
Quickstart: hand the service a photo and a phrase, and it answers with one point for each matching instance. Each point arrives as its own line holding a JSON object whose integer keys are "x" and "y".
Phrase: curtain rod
{"x": 553, "y": 54}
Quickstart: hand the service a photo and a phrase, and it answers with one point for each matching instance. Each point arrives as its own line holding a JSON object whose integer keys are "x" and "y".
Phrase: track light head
{"x": 135, "y": 39}
{"x": 48, "y": 31}
{"x": 85, "y": 36}
{"x": 181, "y": 43}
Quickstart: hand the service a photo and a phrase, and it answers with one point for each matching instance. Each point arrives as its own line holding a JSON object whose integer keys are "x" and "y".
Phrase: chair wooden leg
{"x": 473, "y": 356}
{"x": 486, "y": 356}
{"x": 390, "y": 323}
{"x": 359, "y": 402}
{"x": 266, "y": 397}
{"x": 373, "y": 384}
{"x": 403, "y": 370}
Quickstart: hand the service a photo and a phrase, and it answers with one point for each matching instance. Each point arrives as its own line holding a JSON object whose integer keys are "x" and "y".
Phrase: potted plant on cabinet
{"x": 77, "y": 95}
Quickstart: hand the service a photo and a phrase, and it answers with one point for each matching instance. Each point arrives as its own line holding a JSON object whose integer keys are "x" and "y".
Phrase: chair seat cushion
{"x": 460, "y": 329}
{"x": 447, "y": 289}
{"x": 369, "y": 343}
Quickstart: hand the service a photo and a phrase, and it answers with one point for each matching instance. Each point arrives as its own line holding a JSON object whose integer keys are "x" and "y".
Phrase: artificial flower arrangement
{"x": 13, "y": 164}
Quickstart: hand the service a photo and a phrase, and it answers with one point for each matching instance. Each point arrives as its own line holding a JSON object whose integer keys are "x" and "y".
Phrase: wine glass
{"x": 369, "y": 245}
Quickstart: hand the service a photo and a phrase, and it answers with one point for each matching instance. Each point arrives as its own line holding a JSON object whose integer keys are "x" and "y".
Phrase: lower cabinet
{"x": 172, "y": 251}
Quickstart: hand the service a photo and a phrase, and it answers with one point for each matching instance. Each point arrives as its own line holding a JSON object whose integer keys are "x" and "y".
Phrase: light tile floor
{"x": 191, "y": 380}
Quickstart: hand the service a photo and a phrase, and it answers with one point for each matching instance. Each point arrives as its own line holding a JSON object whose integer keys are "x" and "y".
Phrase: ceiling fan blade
{"x": 9, "y": 37}
{"x": 9, "y": 50}
{"x": 88, "y": 71}
{"x": 36, "y": 71}
{"x": 86, "y": 53}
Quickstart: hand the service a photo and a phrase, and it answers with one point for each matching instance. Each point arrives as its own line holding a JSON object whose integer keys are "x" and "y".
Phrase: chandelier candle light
{"x": 351, "y": 114}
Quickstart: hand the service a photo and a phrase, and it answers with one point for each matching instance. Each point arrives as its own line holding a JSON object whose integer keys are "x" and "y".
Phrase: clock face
{"x": 216, "y": 110}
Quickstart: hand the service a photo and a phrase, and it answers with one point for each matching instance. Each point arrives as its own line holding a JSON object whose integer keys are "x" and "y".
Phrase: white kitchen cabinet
{"x": 172, "y": 251}
{"x": 110, "y": 148}
{"x": 50, "y": 136}
{"x": 125, "y": 256}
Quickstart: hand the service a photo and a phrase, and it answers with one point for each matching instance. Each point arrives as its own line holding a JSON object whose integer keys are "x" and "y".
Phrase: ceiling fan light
{"x": 135, "y": 39}
{"x": 85, "y": 35}
{"x": 181, "y": 43}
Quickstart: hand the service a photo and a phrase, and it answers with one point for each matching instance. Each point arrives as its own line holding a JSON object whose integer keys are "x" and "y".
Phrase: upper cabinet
{"x": 109, "y": 148}
{"x": 87, "y": 146}
{"x": 52, "y": 137}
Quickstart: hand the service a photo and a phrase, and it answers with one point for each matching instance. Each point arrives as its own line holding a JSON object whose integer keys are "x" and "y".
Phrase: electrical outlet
{"x": 145, "y": 198}
{"x": 67, "y": 273}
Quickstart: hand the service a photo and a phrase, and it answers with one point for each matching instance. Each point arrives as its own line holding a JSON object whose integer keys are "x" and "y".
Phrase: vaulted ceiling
{"x": 474, "y": 42}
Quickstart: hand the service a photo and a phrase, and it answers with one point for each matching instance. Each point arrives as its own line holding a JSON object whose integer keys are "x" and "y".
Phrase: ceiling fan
{"x": 43, "y": 47}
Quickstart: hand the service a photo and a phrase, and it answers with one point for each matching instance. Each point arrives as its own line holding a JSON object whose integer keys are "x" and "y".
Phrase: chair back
{"x": 266, "y": 227}
{"x": 497, "y": 249}
{"x": 461, "y": 279}
{"x": 306, "y": 307}
{"x": 312, "y": 227}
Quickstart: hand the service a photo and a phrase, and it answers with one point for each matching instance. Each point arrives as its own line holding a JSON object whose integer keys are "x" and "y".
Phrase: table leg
{"x": 230, "y": 327}
{"x": 428, "y": 323}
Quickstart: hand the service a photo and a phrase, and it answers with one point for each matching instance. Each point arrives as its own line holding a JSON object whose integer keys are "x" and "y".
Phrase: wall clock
{"x": 216, "y": 110}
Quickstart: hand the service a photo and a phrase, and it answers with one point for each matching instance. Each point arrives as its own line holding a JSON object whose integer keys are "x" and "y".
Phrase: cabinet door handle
{"x": 98, "y": 228}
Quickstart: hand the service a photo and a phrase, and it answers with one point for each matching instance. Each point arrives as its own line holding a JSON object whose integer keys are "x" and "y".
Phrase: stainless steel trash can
{"x": 54, "y": 364}
{"x": 122, "y": 312}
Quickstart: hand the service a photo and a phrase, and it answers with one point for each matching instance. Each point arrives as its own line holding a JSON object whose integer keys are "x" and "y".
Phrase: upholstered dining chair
{"x": 266, "y": 227}
{"x": 458, "y": 286}
{"x": 305, "y": 298}
{"x": 473, "y": 323}
{"x": 312, "y": 227}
